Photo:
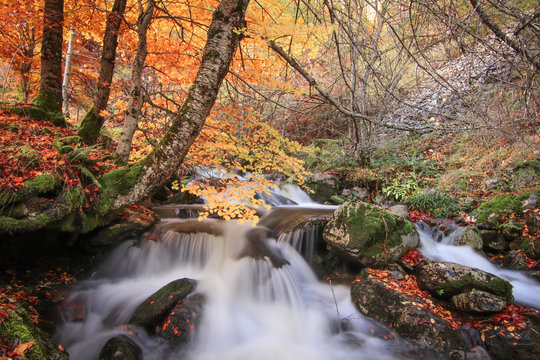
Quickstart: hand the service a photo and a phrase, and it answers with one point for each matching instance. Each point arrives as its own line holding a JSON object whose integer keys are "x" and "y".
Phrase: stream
{"x": 526, "y": 290}
{"x": 253, "y": 310}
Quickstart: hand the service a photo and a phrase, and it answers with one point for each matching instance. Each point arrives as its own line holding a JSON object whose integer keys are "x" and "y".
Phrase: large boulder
{"x": 413, "y": 317}
{"x": 155, "y": 308}
{"x": 369, "y": 235}
{"x": 447, "y": 279}
{"x": 430, "y": 322}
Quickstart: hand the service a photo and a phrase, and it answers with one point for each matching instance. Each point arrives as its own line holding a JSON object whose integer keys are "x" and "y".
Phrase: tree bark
{"x": 92, "y": 122}
{"x": 49, "y": 97}
{"x": 67, "y": 73}
{"x": 133, "y": 111}
{"x": 147, "y": 176}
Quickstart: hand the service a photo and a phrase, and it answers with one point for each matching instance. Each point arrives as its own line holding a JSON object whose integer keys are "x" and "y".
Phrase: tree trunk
{"x": 146, "y": 177}
{"x": 91, "y": 123}
{"x": 133, "y": 111}
{"x": 49, "y": 97}
{"x": 67, "y": 72}
{"x": 26, "y": 66}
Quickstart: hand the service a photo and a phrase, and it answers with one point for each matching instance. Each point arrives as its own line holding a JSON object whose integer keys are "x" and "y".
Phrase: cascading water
{"x": 253, "y": 310}
{"x": 526, "y": 290}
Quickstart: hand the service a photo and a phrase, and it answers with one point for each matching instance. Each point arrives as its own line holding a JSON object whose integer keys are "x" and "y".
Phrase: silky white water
{"x": 525, "y": 289}
{"x": 253, "y": 311}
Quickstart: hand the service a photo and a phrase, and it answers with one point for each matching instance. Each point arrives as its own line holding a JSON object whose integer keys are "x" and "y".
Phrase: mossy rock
{"x": 90, "y": 127}
{"x": 155, "y": 308}
{"x": 447, "y": 279}
{"x": 530, "y": 247}
{"x": 492, "y": 212}
{"x": 18, "y": 326}
{"x": 43, "y": 184}
{"x": 369, "y": 234}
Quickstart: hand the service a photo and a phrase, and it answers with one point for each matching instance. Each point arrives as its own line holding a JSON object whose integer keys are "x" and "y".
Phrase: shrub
{"x": 437, "y": 203}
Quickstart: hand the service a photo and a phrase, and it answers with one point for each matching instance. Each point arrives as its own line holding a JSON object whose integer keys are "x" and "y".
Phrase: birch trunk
{"x": 133, "y": 111}
{"x": 67, "y": 73}
{"x": 147, "y": 176}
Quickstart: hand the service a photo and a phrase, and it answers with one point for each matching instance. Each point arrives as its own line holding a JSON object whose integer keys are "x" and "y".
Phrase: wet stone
{"x": 478, "y": 302}
{"x": 183, "y": 320}
{"x": 120, "y": 348}
{"x": 151, "y": 312}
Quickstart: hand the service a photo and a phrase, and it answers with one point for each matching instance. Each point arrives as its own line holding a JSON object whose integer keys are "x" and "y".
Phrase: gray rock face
{"x": 446, "y": 279}
{"x": 369, "y": 235}
{"x": 478, "y": 302}
{"x": 399, "y": 210}
{"x": 468, "y": 236}
{"x": 515, "y": 260}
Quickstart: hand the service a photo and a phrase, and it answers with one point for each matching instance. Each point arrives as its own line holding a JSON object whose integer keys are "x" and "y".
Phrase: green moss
{"x": 48, "y": 102}
{"x": 533, "y": 164}
{"x": 496, "y": 286}
{"x": 212, "y": 54}
{"x": 16, "y": 211}
{"x": 90, "y": 127}
{"x": 218, "y": 15}
{"x": 43, "y": 184}
{"x": 14, "y": 327}
{"x": 10, "y": 225}
{"x": 66, "y": 149}
{"x": 371, "y": 227}
{"x": 528, "y": 246}
{"x": 74, "y": 197}
{"x": 89, "y": 222}
{"x": 493, "y": 210}
{"x": 9, "y": 197}
{"x": 117, "y": 182}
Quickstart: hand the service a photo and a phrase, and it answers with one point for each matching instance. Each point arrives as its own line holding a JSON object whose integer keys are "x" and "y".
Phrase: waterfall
{"x": 526, "y": 290}
{"x": 253, "y": 310}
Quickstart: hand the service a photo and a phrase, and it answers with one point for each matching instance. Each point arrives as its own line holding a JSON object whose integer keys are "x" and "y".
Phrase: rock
{"x": 260, "y": 244}
{"x": 399, "y": 210}
{"x": 490, "y": 183}
{"x": 369, "y": 235}
{"x": 493, "y": 240}
{"x": 183, "y": 319}
{"x": 515, "y": 260}
{"x": 120, "y": 348}
{"x": 324, "y": 186}
{"x": 511, "y": 230}
{"x": 446, "y": 279}
{"x": 531, "y": 203}
{"x": 478, "y": 302}
{"x": 135, "y": 223}
{"x": 468, "y": 236}
{"x": 411, "y": 317}
{"x": 152, "y": 311}
{"x": 373, "y": 298}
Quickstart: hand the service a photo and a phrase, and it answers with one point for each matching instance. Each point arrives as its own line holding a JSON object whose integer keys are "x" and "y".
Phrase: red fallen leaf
{"x": 18, "y": 179}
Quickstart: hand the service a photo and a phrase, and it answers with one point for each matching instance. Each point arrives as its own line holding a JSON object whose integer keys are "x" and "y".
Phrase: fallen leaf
{"x": 22, "y": 348}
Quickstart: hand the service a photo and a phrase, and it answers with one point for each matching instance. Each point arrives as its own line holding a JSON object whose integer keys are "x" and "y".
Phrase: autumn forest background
{"x": 109, "y": 107}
